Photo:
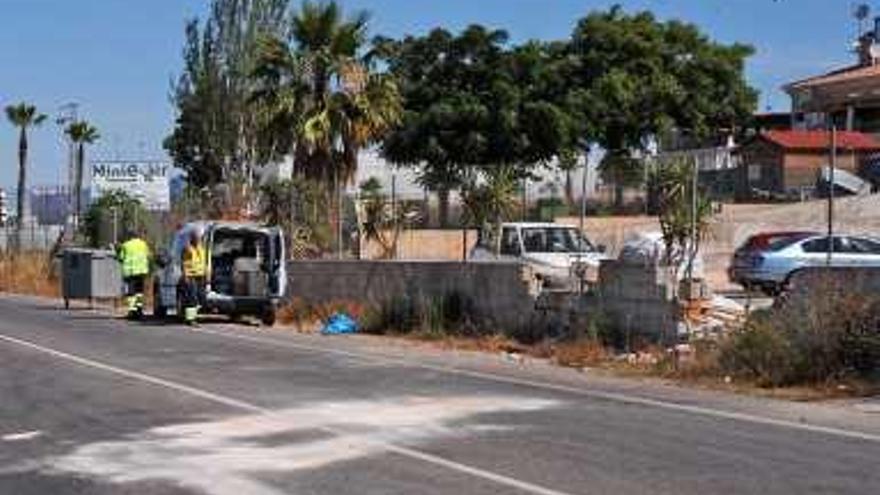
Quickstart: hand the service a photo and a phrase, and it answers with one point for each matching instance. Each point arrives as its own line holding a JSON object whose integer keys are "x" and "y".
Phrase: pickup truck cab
{"x": 559, "y": 255}
{"x": 246, "y": 270}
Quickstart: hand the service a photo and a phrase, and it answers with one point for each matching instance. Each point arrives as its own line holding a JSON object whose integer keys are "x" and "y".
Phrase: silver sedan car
{"x": 771, "y": 269}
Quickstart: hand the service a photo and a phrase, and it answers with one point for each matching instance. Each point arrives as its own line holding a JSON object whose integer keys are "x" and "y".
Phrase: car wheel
{"x": 268, "y": 317}
{"x": 159, "y": 309}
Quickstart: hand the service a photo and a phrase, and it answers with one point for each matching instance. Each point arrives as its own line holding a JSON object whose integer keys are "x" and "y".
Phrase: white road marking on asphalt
{"x": 20, "y": 437}
{"x": 235, "y": 403}
{"x": 595, "y": 394}
{"x": 231, "y": 449}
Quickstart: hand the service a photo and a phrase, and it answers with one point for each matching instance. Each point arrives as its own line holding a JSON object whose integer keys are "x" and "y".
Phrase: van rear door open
{"x": 277, "y": 259}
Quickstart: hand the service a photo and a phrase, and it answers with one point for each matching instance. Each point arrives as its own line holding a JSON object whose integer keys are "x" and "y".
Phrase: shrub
{"x": 113, "y": 214}
{"x": 759, "y": 352}
{"x": 824, "y": 336}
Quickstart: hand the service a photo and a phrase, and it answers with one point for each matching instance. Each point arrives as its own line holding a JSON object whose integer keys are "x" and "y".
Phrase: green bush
{"x": 113, "y": 215}
{"x": 823, "y": 337}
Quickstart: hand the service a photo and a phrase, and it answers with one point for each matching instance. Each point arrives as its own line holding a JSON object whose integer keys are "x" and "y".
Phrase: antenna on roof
{"x": 861, "y": 12}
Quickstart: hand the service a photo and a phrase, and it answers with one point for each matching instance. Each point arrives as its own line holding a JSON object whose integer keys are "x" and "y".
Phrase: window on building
{"x": 754, "y": 172}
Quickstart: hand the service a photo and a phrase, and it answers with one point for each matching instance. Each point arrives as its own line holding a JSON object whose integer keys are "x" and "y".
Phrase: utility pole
{"x": 583, "y": 212}
{"x": 338, "y": 187}
{"x": 833, "y": 165}
{"x": 694, "y": 185}
{"x": 68, "y": 114}
{"x": 394, "y": 216}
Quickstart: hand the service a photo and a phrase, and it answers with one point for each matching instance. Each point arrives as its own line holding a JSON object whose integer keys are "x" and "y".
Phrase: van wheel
{"x": 159, "y": 309}
{"x": 268, "y": 317}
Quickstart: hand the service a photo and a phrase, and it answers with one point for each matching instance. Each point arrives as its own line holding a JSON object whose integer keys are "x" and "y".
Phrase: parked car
{"x": 558, "y": 254}
{"x": 246, "y": 270}
{"x": 770, "y": 268}
{"x": 747, "y": 255}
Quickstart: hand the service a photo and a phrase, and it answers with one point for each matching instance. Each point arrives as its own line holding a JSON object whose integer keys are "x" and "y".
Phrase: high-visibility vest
{"x": 135, "y": 257}
{"x": 195, "y": 263}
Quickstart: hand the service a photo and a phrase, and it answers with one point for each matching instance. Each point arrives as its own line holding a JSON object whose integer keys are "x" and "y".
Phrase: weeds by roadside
{"x": 29, "y": 273}
{"x": 824, "y": 345}
{"x": 823, "y": 338}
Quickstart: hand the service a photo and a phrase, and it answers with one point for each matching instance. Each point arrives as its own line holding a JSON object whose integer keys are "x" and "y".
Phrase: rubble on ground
{"x": 713, "y": 317}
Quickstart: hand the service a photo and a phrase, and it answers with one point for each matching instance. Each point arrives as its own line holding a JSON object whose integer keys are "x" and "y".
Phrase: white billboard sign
{"x": 144, "y": 180}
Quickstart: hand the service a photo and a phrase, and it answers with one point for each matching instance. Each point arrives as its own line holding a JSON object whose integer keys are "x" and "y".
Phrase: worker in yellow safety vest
{"x": 195, "y": 270}
{"x": 134, "y": 256}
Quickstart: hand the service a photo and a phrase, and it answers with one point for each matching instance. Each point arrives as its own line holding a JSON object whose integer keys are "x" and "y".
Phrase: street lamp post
{"x": 68, "y": 114}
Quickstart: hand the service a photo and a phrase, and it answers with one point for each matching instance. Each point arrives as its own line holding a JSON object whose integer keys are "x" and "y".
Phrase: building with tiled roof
{"x": 801, "y": 140}
{"x": 789, "y": 163}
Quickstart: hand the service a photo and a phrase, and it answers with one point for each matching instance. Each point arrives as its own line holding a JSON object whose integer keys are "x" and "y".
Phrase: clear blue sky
{"x": 117, "y": 57}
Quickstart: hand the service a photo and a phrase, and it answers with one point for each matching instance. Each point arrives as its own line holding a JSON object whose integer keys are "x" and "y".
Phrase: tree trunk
{"x": 569, "y": 190}
{"x": 496, "y": 242}
{"x": 443, "y": 207}
{"x": 618, "y": 194}
{"x": 21, "y": 197}
{"x": 77, "y": 188}
{"x": 22, "y": 178}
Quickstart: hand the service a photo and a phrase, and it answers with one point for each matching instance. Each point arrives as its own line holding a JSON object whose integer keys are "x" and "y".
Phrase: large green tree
{"x": 23, "y": 116}
{"x": 320, "y": 99}
{"x": 473, "y": 108}
{"x": 636, "y": 78}
{"x": 81, "y": 133}
{"x": 216, "y": 135}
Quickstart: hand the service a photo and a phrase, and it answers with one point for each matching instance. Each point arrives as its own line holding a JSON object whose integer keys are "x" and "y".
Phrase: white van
{"x": 246, "y": 270}
{"x": 558, "y": 254}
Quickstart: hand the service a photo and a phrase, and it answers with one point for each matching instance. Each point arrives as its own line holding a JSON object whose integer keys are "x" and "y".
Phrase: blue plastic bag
{"x": 339, "y": 324}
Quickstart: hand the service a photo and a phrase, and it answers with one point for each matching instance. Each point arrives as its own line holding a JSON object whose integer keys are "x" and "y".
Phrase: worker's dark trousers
{"x": 193, "y": 288}
{"x": 134, "y": 292}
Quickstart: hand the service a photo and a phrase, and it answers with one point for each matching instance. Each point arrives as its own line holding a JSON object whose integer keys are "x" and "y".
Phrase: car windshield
{"x": 555, "y": 240}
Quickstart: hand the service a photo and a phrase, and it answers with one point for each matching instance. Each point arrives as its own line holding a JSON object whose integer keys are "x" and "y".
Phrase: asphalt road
{"x": 92, "y": 404}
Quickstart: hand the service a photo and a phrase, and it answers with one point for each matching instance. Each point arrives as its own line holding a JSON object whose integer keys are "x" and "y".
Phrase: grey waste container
{"x": 89, "y": 274}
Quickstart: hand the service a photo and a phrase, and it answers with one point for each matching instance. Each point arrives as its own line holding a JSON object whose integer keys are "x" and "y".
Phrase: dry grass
{"x": 305, "y": 317}
{"x": 28, "y": 273}
{"x": 494, "y": 343}
{"x": 579, "y": 354}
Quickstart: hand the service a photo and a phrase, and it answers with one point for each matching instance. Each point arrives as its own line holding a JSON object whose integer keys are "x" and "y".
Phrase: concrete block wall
{"x": 502, "y": 293}
{"x": 832, "y": 283}
{"x": 638, "y": 300}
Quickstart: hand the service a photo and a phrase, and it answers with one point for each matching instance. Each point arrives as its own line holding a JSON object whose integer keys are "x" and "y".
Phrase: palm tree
{"x": 328, "y": 102}
{"x": 321, "y": 95}
{"x": 24, "y": 117}
{"x": 488, "y": 204}
{"x": 81, "y": 133}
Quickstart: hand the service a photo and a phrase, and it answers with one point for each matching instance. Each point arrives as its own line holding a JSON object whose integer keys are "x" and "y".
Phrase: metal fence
{"x": 31, "y": 237}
